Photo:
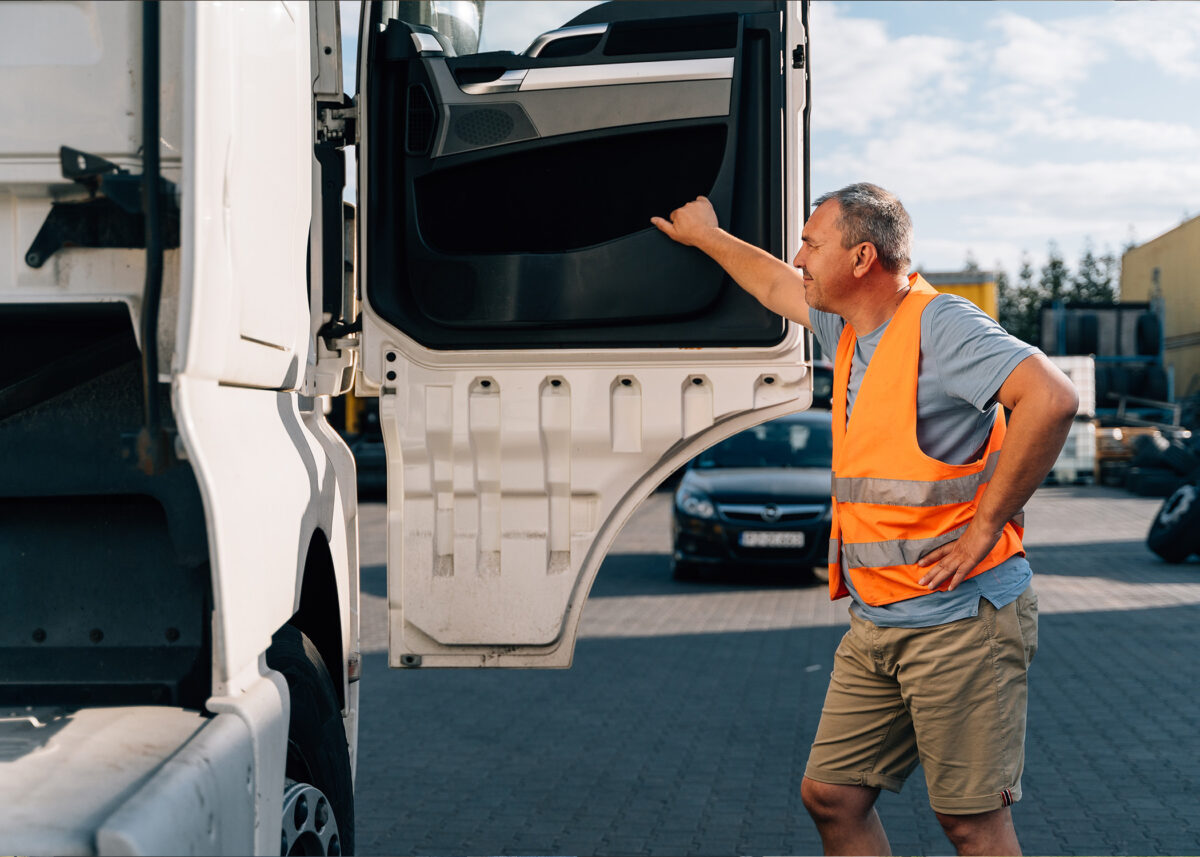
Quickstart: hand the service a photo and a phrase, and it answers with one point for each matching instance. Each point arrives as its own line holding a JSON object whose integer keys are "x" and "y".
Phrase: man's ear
{"x": 865, "y": 255}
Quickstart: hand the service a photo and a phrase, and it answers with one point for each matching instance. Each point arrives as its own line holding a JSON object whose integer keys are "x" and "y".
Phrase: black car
{"x": 758, "y": 499}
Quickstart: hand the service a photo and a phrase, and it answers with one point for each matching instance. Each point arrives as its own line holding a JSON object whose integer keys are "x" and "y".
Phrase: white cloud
{"x": 949, "y": 254}
{"x": 1050, "y": 58}
{"x": 1070, "y": 126}
{"x": 1167, "y": 35}
{"x": 990, "y": 145}
{"x": 863, "y": 78}
{"x": 962, "y": 173}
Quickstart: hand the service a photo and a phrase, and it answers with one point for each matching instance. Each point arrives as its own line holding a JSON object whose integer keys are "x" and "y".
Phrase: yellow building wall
{"x": 1176, "y": 254}
{"x": 983, "y": 295}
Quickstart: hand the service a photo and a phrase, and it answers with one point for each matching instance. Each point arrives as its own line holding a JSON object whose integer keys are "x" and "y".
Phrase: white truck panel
{"x": 199, "y": 802}
{"x": 267, "y": 482}
{"x": 80, "y": 63}
{"x": 507, "y": 482}
{"x": 65, "y": 771}
{"x": 246, "y": 193}
{"x": 342, "y": 530}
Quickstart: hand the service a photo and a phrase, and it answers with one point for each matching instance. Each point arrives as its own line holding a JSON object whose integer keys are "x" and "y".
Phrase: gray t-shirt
{"x": 965, "y": 358}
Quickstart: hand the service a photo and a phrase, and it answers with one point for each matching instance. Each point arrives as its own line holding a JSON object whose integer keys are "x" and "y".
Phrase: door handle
{"x": 539, "y": 44}
{"x": 510, "y": 81}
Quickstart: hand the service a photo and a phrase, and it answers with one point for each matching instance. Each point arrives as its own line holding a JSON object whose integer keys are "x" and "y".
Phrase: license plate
{"x": 771, "y": 539}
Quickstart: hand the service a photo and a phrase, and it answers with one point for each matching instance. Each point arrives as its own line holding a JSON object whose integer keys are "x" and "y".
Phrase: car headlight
{"x": 695, "y": 504}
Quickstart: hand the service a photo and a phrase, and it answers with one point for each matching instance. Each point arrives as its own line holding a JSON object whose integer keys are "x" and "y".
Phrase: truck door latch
{"x": 111, "y": 217}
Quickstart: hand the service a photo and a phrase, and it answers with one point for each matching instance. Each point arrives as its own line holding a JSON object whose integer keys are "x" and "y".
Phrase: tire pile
{"x": 1160, "y": 464}
{"x": 1175, "y": 533}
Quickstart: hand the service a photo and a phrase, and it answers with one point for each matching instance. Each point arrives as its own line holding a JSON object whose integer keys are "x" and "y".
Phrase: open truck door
{"x": 543, "y": 356}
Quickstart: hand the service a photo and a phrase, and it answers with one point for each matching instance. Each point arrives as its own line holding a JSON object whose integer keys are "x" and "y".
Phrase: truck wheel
{"x": 318, "y": 798}
{"x": 1175, "y": 533}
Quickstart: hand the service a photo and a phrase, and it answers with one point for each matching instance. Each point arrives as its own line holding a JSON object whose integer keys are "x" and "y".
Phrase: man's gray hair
{"x": 870, "y": 213}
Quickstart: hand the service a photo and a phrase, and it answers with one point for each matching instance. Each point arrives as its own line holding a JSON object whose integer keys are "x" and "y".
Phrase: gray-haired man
{"x": 933, "y": 669}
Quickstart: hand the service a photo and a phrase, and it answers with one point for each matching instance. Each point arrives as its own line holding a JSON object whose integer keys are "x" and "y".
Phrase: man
{"x": 929, "y": 484}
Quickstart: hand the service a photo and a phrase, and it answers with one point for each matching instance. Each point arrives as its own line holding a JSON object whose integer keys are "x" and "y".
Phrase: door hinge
{"x": 798, "y": 56}
{"x": 337, "y": 124}
{"x": 338, "y": 334}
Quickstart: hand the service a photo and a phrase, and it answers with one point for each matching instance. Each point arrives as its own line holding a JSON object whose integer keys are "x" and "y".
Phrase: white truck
{"x": 178, "y": 520}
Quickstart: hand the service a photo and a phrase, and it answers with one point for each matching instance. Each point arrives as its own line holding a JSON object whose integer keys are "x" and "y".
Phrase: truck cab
{"x": 179, "y": 655}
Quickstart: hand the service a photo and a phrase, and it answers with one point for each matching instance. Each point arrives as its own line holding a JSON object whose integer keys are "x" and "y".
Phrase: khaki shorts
{"x": 951, "y": 697}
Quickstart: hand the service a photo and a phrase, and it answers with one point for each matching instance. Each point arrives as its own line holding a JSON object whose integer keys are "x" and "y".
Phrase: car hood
{"x": 762, "y": 484}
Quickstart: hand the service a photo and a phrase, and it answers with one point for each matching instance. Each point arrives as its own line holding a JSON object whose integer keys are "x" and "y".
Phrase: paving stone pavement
{"x": 685, "y": 722}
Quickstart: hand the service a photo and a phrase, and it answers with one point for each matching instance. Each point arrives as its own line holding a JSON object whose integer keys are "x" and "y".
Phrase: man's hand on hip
{"x": 955, "y": 560}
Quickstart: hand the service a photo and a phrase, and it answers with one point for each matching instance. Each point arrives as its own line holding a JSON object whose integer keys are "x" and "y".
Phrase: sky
{"x": 1002, "y": 126}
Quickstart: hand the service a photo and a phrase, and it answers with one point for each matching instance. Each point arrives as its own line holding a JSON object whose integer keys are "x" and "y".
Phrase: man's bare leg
{"x": 982, "y": 833}
{"x": 845, "y": 818}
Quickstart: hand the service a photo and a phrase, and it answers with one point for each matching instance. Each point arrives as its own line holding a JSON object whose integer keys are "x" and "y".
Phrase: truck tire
{"x": 1103, "y": 386}
{"x": 1152, "y": 481}
{"x": 1148, "y": 450}
{"x": 1177, "y": 456}
{"x": 1154, "y": 384}
{"x": 318, "y": 811}
{"x": 1149, "y": 334}
{"x": 1083, "y": 334}
{"x": 1175, "y": 533}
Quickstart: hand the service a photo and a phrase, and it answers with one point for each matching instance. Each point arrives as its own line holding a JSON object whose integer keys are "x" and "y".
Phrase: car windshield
{"x": 775, "y": 444}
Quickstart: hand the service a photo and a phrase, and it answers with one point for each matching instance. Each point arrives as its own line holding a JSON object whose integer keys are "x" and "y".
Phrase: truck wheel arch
{"x": 319, "y": 613}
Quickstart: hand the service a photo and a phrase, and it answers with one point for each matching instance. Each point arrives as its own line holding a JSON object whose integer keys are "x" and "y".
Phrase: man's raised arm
{"x": 777, "y": 285}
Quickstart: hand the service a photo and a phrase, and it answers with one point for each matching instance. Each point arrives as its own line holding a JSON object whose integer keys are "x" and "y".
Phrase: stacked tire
{"x": 1175, "y": 533}
{"x": 1160, "y": 465}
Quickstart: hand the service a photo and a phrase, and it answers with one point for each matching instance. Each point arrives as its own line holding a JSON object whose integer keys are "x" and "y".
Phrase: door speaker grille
{"x": 482, "y": 126}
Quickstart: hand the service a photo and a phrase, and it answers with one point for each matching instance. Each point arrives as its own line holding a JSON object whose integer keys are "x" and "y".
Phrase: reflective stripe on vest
{"x": 897, "y": 551}
{"x": 910, "y": 492}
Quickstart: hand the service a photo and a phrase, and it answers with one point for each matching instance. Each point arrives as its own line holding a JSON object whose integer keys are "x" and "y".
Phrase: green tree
{"x": 1055, "y": 281}
{"x": 1093, "y": 279}
{"x": 1005, "y": 299}
{"x": 1110, "y": 263}
{"x": 1020, "y": 306}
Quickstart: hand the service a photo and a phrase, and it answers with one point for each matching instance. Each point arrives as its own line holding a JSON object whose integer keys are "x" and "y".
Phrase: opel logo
{"x": 770, "y": 512}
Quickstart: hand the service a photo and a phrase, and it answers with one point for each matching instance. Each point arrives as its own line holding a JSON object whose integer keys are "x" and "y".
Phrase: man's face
{"x": 825, "y": 263}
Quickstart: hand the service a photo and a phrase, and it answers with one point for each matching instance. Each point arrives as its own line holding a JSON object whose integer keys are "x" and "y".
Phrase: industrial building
{"x": 979, "y": 287}
{"x": 1163, "y": 272}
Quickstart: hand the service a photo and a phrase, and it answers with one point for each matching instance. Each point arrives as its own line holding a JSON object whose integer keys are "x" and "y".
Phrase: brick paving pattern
{"x": 685, "y": 722}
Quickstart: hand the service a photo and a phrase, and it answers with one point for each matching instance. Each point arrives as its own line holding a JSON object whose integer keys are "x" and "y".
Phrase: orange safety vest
{"x": 892, "y": 503}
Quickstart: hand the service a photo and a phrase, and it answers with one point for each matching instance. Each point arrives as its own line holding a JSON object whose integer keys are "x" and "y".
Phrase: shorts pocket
{"x": 1027, "y": 620}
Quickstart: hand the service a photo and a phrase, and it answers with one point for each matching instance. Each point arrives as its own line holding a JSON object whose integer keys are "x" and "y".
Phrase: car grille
{"x": 784, "y": 512}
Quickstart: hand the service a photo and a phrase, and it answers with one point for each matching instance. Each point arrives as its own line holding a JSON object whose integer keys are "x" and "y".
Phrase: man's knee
{"x": 830, "y": 802}
{"x": 984, "y": 832}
